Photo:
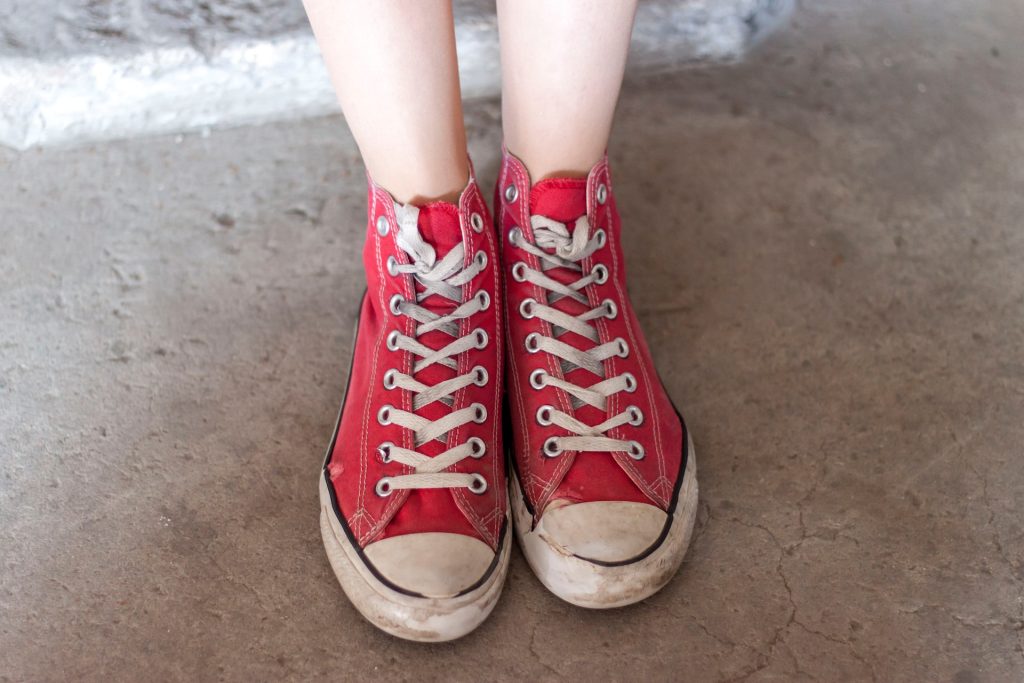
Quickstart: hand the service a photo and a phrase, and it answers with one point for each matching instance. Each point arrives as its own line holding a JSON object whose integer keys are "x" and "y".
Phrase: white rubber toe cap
{"x": 435, "y": 565}
{"x": 605, "y": 531}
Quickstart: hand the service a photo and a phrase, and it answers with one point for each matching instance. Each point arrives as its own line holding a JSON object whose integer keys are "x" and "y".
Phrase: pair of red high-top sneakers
{"x": 463, "y": 350}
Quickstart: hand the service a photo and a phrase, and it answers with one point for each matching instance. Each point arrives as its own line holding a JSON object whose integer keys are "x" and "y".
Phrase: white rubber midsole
{"x": 406, "y": 616}
{"x": 588, "y": 584}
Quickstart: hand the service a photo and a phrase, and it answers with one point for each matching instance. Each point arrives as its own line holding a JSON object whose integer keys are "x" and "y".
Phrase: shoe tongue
{"x": 439, "y": 226}
{"x": 560, "y": 199}
{"x": 564, "y": 200}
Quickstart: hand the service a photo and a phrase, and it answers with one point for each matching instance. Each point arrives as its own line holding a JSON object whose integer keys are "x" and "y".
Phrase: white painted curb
{"x": 172, "y": 89}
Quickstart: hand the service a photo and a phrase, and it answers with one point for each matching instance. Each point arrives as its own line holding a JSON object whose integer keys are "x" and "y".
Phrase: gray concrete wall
{"x": 49, "y": 30}
{"x": 80, "y": 70}
{"x": 67, "y": 27}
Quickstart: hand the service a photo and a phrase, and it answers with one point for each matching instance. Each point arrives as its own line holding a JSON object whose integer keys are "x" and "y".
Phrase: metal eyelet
{"x": 636, "y": 451}
{"x": 389, "y": 379}
{"x": 636, "y": 416}
{"x": 602, "y": 193}
{"x": 611, "y": 310}
{"x": 511, "y": 193}
{"x": 392, "y": 341}
{"x": 392, "y": 266}
{"x": 481, "y": 338}
{"x": 480, "y": 375}
{"x": 479, "y": 448}
{"x": 551, "y": 447}
{"x": 477, "y": 222}
{"x": 630, "y": 381}
{"x": 479, "y": 484}
{"x": 532, "y": 342}
{"x": 526, "y": 308}
{"x": 382, "y": 225}
{"x": 481, "y": 259}
{"x": 600, "y": 273}
{"x": 383, "y": 487}
{"x": 544, "y": 415}
{"x": 479, "y": 413}
{"x": 601, "y": 237}
{"x": 538, "y": 378}
{"x": 384, "y": 414}
{"x": 393, "y": 305}
{"x": 513, "y": 236}
{"x": 623, "y": 347}
{"x": 519, "y": 271}
{"x": 485, "y": 300}
{"x": 384, "y": 451}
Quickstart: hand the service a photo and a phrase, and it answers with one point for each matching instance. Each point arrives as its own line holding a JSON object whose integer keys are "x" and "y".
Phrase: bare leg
{"x": 562, "y": 64}
{"x": 394, "y": 68}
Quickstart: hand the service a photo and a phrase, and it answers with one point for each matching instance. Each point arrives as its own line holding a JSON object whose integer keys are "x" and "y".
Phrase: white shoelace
{"x": 557, "y": 248}
{"x": 444, "y": 278}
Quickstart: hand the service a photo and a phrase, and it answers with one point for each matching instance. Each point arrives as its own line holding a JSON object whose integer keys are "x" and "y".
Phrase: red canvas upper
{"x": 354, "y": 465}
{"x": 575, "y": 477}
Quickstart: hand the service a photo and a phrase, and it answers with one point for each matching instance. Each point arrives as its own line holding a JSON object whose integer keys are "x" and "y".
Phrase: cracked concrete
{"x": 824, "y": 243}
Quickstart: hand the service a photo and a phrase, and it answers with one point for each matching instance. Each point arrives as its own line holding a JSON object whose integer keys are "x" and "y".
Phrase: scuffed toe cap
{"x": 434, "y": 565}
{"x": 603, "y": 531}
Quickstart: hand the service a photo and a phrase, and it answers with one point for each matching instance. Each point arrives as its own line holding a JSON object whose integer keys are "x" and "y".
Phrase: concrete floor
{"x": 825, "y": 247}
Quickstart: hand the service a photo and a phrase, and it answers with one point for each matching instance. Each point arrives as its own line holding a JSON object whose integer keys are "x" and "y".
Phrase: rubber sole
{"x": 594, "y": 585}
{"x": 421, "y": 619}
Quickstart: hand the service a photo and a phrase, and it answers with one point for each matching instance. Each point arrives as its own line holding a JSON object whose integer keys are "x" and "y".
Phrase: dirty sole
{"x": 596, "y": 585}
{"x": 406, "y": 616}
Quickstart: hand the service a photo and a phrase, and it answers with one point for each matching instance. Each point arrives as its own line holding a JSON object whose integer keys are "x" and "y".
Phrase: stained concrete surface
{"x": 825, "y": 247}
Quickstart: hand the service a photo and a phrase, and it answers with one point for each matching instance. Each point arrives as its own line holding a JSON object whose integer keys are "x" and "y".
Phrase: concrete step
{"x": 74, "y": 71}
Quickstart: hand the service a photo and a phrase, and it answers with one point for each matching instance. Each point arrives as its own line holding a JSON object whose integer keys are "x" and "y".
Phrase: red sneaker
{"x": 604, "y": 488}
{"x": 413, "y": 499}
